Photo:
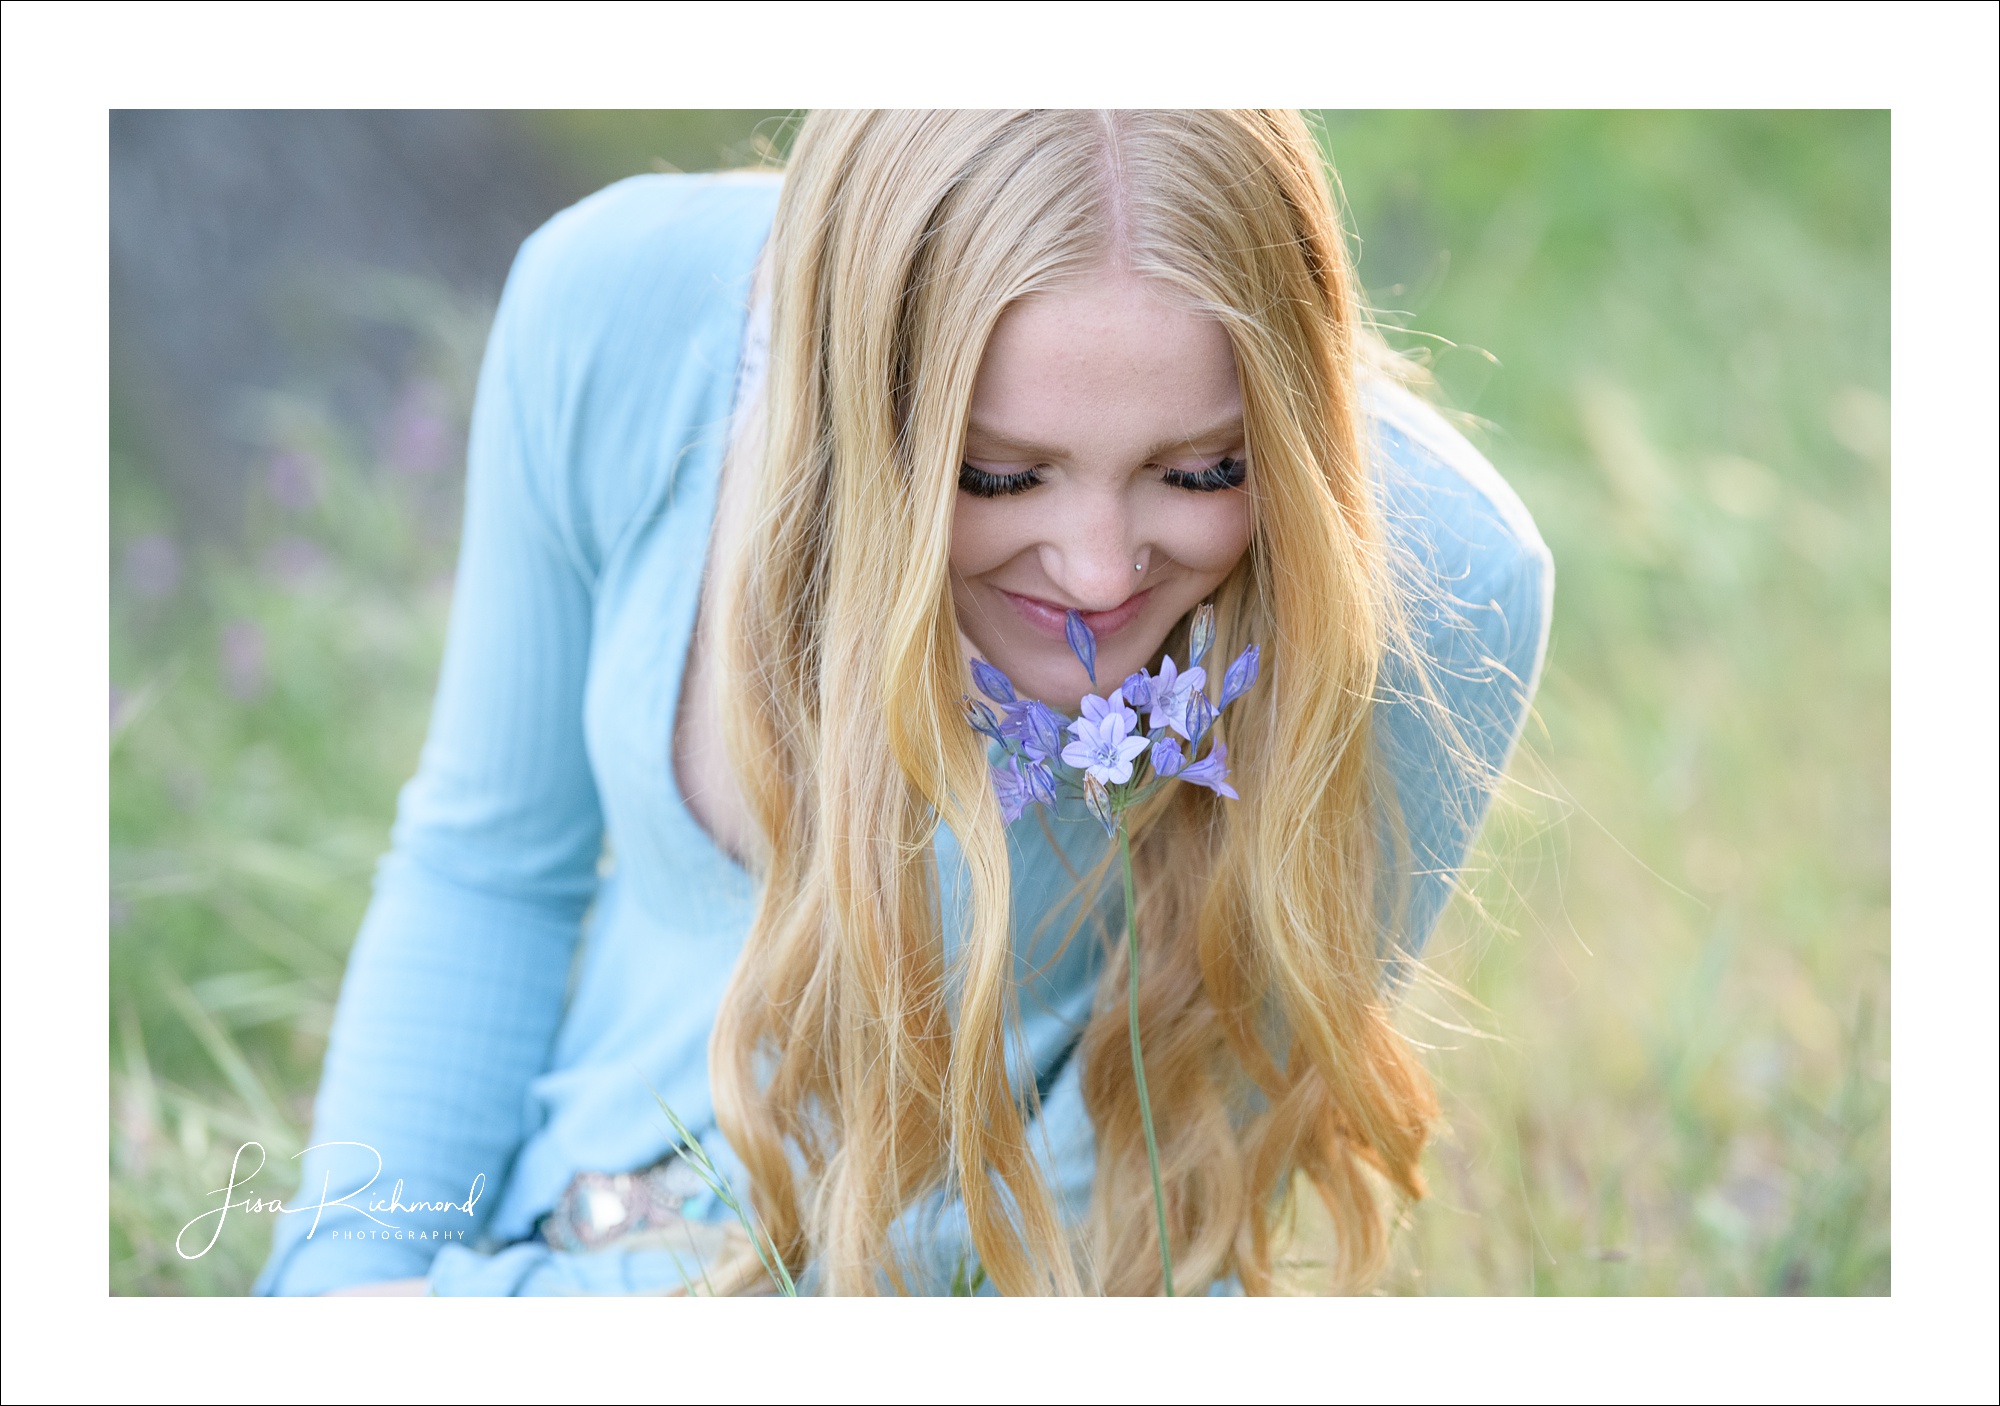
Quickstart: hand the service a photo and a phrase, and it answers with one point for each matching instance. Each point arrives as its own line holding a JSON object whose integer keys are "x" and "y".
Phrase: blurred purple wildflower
{"x": 1168, "y": 759}
{"x": 1104, "y": 746}
{"x": 420, "y": 430}
{"x": 1138, "y": 689}
{"x": 1236, "y": 682}
{"x": 244, "y": 671}
{"x": 992, "y": 682}
{"x": 1212, "y": 771}
{"x": 293, "y": 481}
{"x": 1083, "y": 643}
{"x": 152, "y": 566}
{"x": 294, "y": 562}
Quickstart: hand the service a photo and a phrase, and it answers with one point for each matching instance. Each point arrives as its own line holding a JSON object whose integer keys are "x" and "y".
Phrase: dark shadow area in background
{"x": 228, "y": 229}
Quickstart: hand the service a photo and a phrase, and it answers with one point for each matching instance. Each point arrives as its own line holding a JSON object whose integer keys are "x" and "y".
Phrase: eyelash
{"x": 1228, "y": 472}
{"x": 1224, "y": 473}
{"x": 981, "y": 484}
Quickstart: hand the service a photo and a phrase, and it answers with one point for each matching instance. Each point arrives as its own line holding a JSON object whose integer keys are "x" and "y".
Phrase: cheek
{"x": 987, "y": 533}
{"x": 1207, "y": 536}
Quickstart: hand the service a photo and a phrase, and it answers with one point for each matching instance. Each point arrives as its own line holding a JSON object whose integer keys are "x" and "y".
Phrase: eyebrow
{"x": 1232, "y": 428}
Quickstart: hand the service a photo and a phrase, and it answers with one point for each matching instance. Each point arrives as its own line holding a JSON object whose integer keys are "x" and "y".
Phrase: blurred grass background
{"x": 1659, "y": 1017}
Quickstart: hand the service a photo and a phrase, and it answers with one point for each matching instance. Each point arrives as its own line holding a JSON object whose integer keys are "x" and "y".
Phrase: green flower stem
{"x": 1139, "y": 1062}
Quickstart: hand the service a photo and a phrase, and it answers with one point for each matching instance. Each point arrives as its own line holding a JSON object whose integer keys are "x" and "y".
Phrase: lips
{"x": 1048, "y": 618}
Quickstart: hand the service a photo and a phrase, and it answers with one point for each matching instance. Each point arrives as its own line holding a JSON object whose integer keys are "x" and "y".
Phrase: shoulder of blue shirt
{"x": 621, "y": 323}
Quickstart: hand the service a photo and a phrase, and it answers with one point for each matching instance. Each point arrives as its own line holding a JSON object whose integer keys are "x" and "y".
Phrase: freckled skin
{"x": 1098, "y": 389}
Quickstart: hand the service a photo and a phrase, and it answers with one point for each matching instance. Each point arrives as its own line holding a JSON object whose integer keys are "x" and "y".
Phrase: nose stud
{"x": 1138, "y": 566}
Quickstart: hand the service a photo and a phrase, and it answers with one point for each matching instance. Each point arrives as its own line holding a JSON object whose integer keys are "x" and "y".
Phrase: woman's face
{"x": 1104, "y": 465}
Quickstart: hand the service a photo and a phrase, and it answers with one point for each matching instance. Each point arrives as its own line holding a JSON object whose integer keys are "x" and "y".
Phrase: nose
{"x": 1092, "y": 553}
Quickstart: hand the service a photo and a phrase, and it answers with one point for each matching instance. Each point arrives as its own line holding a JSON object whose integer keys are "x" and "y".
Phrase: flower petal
{"x": 992, "y": 682}
{"x": 1201, "y": 634}
{"x": 1200, "y": 716}
{"x": 1098, "y": 799}
{"x": 1008, "y": 787}
{"x": 1164, "y": 684}
{"x": 1212, "y": 771}
{"x": 1138, "y": 689}
{"x": 982, "y": 719}
{"x": 1168, "y": 758}
{"x": 1040, "y": 729}
{"x": 1082, "y": 643}
{"x": 1041, "y": 782}
{"x": 1236, "y": 682}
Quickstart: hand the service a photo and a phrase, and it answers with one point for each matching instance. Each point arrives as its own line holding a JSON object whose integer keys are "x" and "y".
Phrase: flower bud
{"x": 992, "y": 682}
{"x": 1098, "y": 799}
{"x": 1083, "y": 643}
{"x": 1201, "y": 634}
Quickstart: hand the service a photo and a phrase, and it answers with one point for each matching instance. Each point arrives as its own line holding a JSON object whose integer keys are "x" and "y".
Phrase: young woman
{"x": 757, "y": 468}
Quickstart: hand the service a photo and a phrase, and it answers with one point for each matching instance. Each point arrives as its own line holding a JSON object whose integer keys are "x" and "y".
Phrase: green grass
{"x": 1671, "y": 1068}
{"x": 1660, "y": 1016}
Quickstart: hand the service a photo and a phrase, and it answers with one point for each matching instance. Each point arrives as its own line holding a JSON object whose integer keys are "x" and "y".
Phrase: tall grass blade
{"x": 691, "y": 1152}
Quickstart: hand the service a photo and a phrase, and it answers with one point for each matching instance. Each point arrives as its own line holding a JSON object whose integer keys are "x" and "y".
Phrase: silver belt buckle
{"x": 597, "y": 1209}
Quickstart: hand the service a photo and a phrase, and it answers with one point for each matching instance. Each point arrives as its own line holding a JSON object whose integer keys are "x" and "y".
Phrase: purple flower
{"x": 295, "y": 562}
{"x": 1201, "y": 715}
{"x": 420, "y": 438}
{"x": 293, "y": 481}
{"x": 1201, "y": 634}
{"x": 982, "y": 719}
{"x": 1236, "y": 682}
{"x": 243, "y": 667}
{"x": 1138, "y": 689}
{"x": 1096, "y": 710}
{"x": 992, "y": 682}
{"x": 1212, "y": 771}
{"x": 1011, "y": 789}
{"x": 1104, "y": 746}
{"x": 1083, "y": 643}
{"x": 1170, "y": 695}
{"x": 1039, "y": 729}
{"x": 1168, "y": 758}
{"x": 1041, "y": 781}
{"x": 153, "y": 566}
{"x": 1098, "y": 800}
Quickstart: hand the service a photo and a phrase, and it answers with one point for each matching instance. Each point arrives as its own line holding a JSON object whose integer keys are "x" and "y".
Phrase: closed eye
{"x": 982, "y": 484}
{"x": 1228, "y": 472}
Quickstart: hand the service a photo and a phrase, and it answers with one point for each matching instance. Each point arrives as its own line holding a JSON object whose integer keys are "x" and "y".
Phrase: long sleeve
{"x": 456, "y": 984}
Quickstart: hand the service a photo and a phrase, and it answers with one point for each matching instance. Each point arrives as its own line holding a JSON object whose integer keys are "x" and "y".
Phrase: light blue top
{"x": 552, "y": 930}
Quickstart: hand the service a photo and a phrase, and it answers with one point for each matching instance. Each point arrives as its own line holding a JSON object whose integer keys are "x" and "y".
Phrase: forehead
{"x": 1107, "y": 356}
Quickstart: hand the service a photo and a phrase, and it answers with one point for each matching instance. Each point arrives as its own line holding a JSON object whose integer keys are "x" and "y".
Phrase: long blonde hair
{"x": 853, "y": 1074}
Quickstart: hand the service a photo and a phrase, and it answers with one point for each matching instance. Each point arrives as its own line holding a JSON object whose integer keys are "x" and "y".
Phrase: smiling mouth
{"x": 1049, "y": 618}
